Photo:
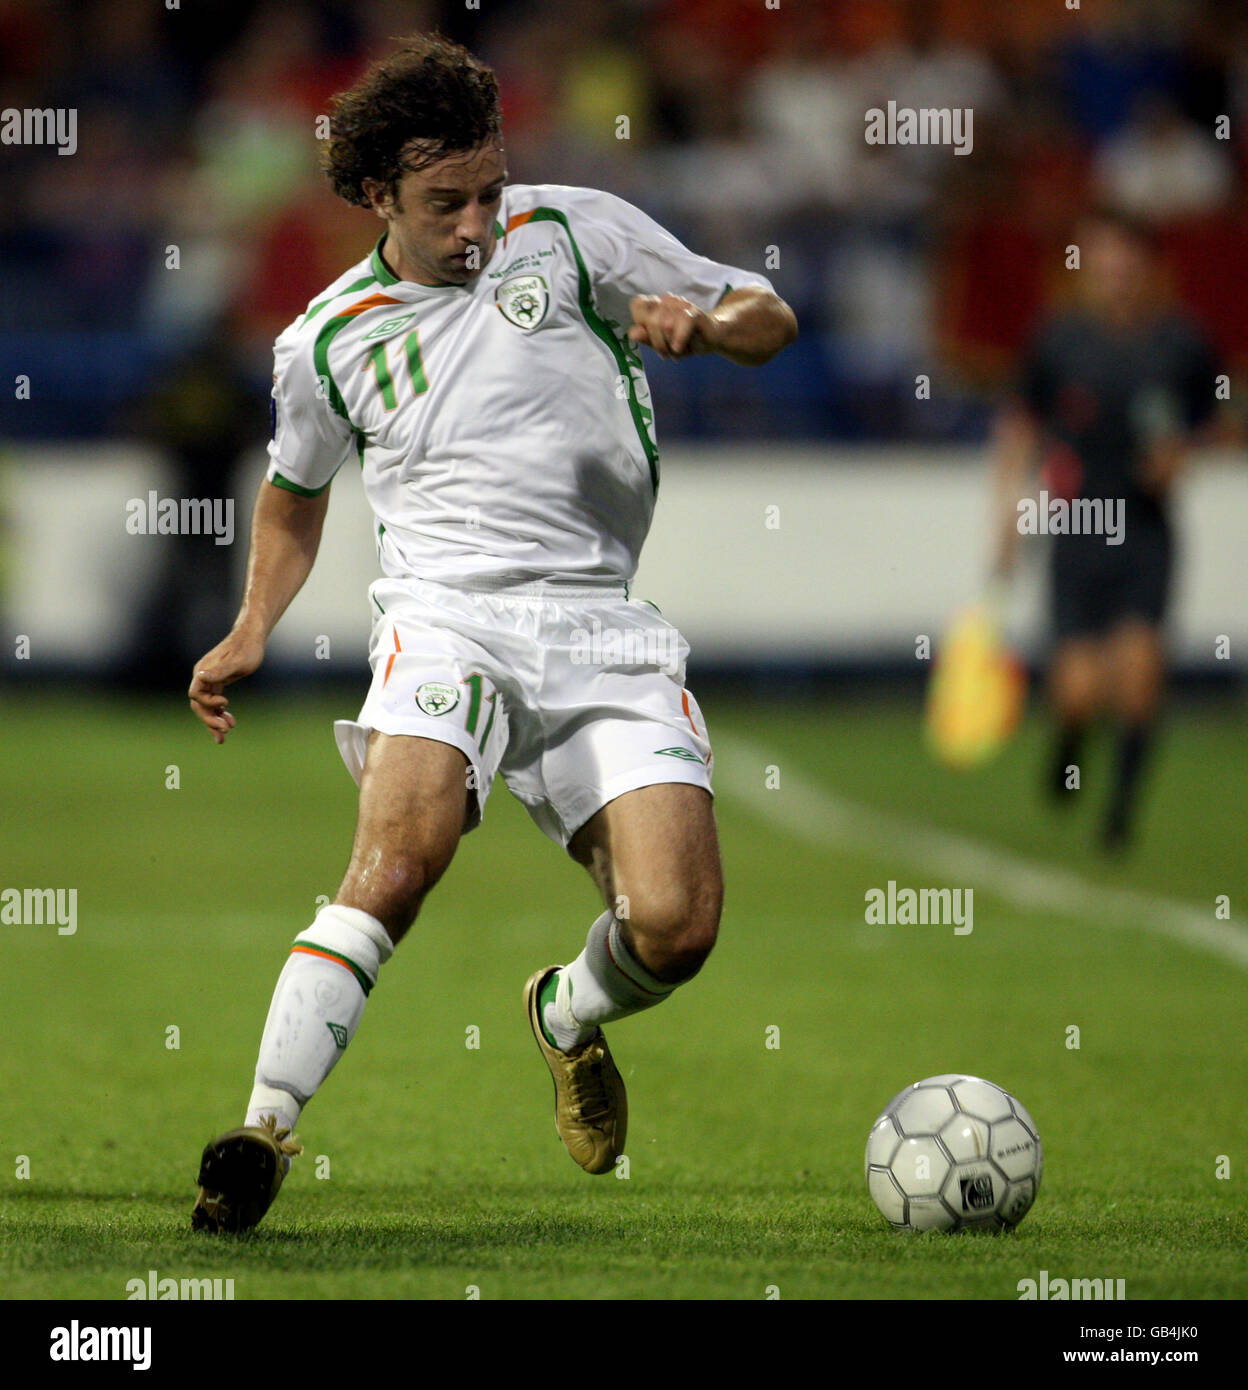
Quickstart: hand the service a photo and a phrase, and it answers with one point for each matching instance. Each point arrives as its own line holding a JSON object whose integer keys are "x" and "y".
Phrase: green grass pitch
{"x": 440, "y": 1167}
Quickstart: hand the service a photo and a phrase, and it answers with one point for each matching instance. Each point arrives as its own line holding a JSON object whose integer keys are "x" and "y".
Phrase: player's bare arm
{"x": 748, "y": 326}
{"x": 1015, "y": 445}
{"x": 285, "y": 536}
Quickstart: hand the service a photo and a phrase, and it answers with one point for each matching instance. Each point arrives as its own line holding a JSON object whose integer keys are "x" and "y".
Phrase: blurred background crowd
{"x": 196, "y": 130}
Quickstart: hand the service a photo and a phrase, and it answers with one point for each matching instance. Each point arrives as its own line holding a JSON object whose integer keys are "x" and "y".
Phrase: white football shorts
{"x": 576, "y": 695}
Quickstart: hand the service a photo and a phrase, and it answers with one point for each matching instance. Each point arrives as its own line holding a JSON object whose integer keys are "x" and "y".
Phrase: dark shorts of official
{"x": 1095, "y": 587}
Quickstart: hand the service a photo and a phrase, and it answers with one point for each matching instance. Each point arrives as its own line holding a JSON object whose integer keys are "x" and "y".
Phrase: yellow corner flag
{"x": 976, "y": 692}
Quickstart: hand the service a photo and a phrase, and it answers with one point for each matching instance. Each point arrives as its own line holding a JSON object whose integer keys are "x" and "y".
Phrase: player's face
{"x": 1118, "y": 270}
{"x": 441, "y": 225}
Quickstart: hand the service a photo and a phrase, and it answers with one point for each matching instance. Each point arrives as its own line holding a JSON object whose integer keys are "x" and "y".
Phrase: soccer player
{"x": 1112, "y": 391}
{"x": 482, "y": 367}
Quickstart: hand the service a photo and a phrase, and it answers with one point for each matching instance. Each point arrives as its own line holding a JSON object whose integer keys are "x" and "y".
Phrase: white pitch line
{"x": 824, "y": 819}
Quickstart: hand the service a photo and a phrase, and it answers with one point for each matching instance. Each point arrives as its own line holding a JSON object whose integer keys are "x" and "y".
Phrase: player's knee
{"x": 687, "y": 954}
{"x": 392, "y": 890}
{"x": 679, "y": 930}
{"x": 1076, "y": 694}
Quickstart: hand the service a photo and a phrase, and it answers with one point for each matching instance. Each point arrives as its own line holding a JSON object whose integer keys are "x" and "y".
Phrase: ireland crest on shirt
{"x": 523, "y": 300}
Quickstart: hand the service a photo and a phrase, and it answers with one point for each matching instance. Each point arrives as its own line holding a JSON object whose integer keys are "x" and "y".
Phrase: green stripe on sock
{"x": 365, "y": 983}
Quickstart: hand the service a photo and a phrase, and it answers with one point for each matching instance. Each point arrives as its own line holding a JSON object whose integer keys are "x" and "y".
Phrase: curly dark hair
{"x": 430, "y": 90}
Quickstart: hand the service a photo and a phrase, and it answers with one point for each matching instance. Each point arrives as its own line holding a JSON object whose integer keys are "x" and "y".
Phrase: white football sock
{"x": 316, "y": 1009}
{"x": 604, "y": 983}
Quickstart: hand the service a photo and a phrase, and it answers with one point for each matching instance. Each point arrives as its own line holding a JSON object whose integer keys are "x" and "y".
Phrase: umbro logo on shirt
{"x": 384, "y": 330}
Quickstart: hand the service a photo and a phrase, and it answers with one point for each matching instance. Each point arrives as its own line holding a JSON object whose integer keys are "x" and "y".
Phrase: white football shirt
{"x": 503, "y": 428}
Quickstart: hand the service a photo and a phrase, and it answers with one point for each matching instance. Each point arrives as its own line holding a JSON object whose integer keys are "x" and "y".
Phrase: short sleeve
{"x": 309, "y": 440}
{"x": 628, "y": 253}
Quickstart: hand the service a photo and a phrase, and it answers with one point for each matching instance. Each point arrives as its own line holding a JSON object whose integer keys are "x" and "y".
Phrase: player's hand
{"x": 1161, "y": 468}
{"x": 238, "y": 656}
{"x": 1005, "y": 556}
{"x": 671, "y": 325}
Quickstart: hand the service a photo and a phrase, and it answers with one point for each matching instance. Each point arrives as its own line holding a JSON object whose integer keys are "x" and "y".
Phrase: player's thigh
{"x": 1136, "y": 658}
{"x": 413, "y": 806}
{"x": 654, "y": 854}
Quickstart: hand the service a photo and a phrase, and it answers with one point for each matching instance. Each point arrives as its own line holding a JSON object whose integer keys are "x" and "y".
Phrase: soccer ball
{"x": 954, "y": 1153}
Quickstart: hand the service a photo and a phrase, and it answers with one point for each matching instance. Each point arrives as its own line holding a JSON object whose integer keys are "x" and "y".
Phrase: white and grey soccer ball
{"x": 954, "y": 1153}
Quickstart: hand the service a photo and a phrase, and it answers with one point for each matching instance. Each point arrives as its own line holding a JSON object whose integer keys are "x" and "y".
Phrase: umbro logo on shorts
{"x": 687, "y": 754}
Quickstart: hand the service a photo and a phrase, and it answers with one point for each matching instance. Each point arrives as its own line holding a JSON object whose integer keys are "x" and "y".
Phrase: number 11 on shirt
{"x": 378, "y": 361}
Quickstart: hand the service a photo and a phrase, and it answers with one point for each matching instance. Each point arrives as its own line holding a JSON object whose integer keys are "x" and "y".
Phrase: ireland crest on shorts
{"x": 436, "y": 698}
{"x": 523, "y": 300}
